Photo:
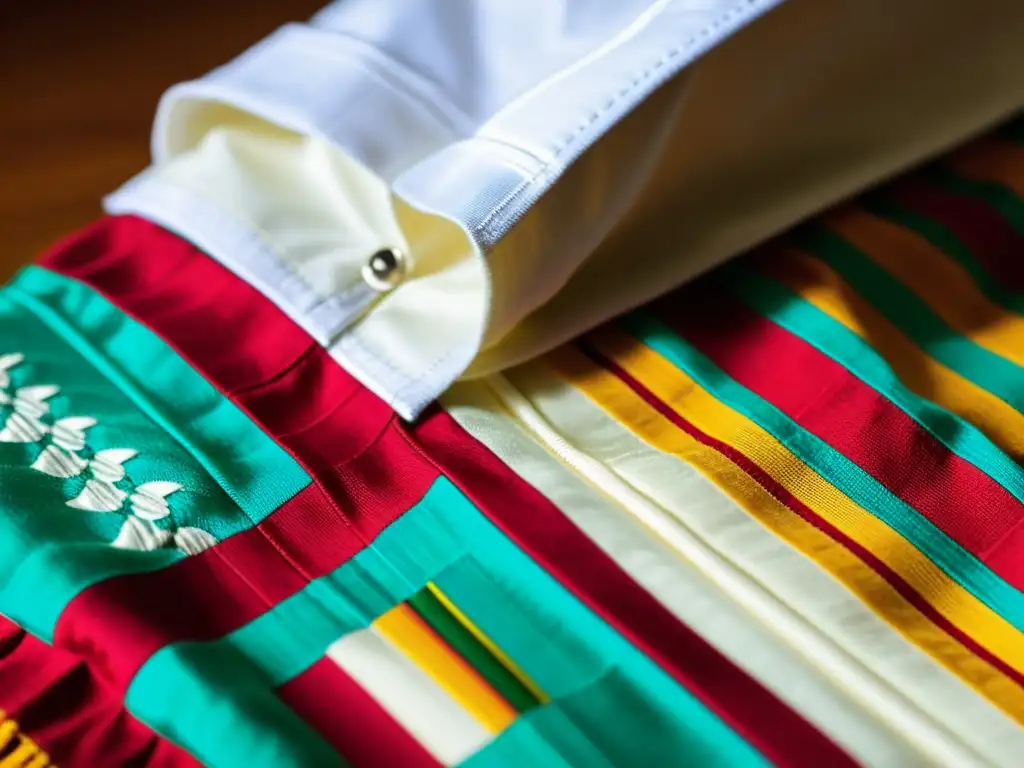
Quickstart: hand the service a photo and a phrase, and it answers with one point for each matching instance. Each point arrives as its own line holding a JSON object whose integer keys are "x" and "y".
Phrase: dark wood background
{"x": 79, "y": 82}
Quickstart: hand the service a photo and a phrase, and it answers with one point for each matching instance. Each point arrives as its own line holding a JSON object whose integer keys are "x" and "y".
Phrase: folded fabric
{"x": 542, "y": 166}
{"x": 771, "y": 518}
{"x": 273, "y": 570}
{"x": 53, "y": 702}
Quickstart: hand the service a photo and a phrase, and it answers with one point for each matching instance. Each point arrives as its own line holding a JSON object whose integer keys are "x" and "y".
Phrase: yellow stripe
{"x": 817, "y": 283}
{"x": 712, "y": 417}
{"x": 25, "y": 755}
{"x": 487, "y": 643}
{"x": 407, "y": 632}
{"x": 940, "y": 281}
{"x": 991, "y": 160}
{"x": 8, "y": 730}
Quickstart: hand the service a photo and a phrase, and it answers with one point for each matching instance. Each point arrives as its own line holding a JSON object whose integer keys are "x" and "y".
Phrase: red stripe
{"x": 238, "y": 338}
{"x": 151, "y": 293}
{"x": 351, "y": 720}
{"x": 366, "y": 475}
{"x": 550, "y": 538}
{"x": 59, "y": 702}
{"x": 779, "y": 492}
{"x": 1005, "y": 557}
{"x": 828, "y": 401}
{"x": 994, "y": 243}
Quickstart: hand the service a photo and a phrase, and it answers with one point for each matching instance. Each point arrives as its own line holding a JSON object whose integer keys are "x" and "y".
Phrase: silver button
{"x": 385, "y": 269}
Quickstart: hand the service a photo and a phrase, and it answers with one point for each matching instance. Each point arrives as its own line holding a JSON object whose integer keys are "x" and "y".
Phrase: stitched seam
{"x": 408, "y": 383}
{"x": 637, "y": 81}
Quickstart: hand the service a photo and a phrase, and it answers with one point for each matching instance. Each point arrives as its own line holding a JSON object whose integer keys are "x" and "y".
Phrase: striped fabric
{"x": 856, "y": 387}
{"x": 317, "y": 619}
{"x": 771, "y": 519}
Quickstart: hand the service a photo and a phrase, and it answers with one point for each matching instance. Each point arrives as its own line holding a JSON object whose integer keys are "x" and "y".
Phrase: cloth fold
{"x": 544, "y": 166}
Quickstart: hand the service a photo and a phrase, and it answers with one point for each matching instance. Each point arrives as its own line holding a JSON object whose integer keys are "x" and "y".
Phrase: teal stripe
{"x": 944, "y": 240}
{"x": 961, "y": 566}
{"x": 444, "y": 539}
{"x": 145, "y": 397}
{"x": 914, "y": 317}
{"x": 240, "y": 723}
{"x": 834, "y": 340}
{"x": 992, "y": 193}
{"x": 255, "y": 472}
{"x": 545, "y": 738}
{"x": 284, "y": 642}
{"x": 619, "y": 701}
{"x": 603, "y": 724}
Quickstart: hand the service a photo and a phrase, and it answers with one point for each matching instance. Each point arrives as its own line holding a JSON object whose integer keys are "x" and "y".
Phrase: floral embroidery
{"x": 141, "y": 506}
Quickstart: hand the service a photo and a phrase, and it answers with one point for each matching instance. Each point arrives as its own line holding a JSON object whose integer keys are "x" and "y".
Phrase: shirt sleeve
{"x": 442, "y": 188}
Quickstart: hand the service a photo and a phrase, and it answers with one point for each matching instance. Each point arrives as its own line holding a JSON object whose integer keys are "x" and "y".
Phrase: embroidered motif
{"x": 148, "y": 501}
{"x": 141, "y": 506}
{"x": 6, "y": 363}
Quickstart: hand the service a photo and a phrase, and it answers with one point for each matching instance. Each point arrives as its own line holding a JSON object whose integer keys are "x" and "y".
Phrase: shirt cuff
{"x": 536, "y": 196}
{"x": 306, "y": 224}
{"x": 441, "y": 135}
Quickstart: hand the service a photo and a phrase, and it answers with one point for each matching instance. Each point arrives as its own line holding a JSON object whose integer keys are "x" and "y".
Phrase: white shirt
{"x": 546, "y": 164}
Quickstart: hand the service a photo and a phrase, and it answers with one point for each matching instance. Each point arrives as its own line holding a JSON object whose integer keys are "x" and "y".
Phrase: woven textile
{"x": 773, "y": 518}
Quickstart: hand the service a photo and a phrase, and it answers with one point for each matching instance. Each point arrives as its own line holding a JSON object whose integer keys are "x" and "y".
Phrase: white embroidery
{"x": 53, "y": 461}
{"x": 146, "y": 502}
{"x": 192, "y": 541}
{"x": 99, "y": 496}
{"x": 141, "y": 534}
{"x": 31, "y": 401}
{"x": 29, "y": 404}
{"x": 6, "y": 363}
{"x": 69, "y": 433}
{"x": 22, "y": 429}
{"x": 106, "y": 465}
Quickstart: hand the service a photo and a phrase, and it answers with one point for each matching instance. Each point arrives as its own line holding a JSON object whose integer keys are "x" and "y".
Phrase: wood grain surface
{"x": 78, "y": 85}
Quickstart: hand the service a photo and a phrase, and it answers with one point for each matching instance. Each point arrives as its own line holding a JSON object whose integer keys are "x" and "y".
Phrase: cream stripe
{"x": 690, "y": 596}
{"x": 793, "y": 579}
{"x": 408, "y": 694}
{"x": 408, "y": 633}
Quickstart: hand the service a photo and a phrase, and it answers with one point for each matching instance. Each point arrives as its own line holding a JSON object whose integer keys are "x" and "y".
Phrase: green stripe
{"x": 915, "y": 318}
{"x": 940, "y": 237}
{"x": 617, "y": 699}
{"x": 578, "y": 730}
{"x": 463, "y": 642}
{"x": 995, "y": 195}
{"x": 961, "y": 566}
{"x": 145, "y": 397}
{"x": 446, "y": 540}
{"x": 836, "y": 341}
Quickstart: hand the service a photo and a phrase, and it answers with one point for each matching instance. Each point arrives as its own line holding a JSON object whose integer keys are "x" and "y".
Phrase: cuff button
{"x": 385, "y": 269}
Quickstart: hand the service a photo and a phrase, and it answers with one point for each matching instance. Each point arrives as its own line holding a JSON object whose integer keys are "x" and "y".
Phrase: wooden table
{"x": 78, "y": 85}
